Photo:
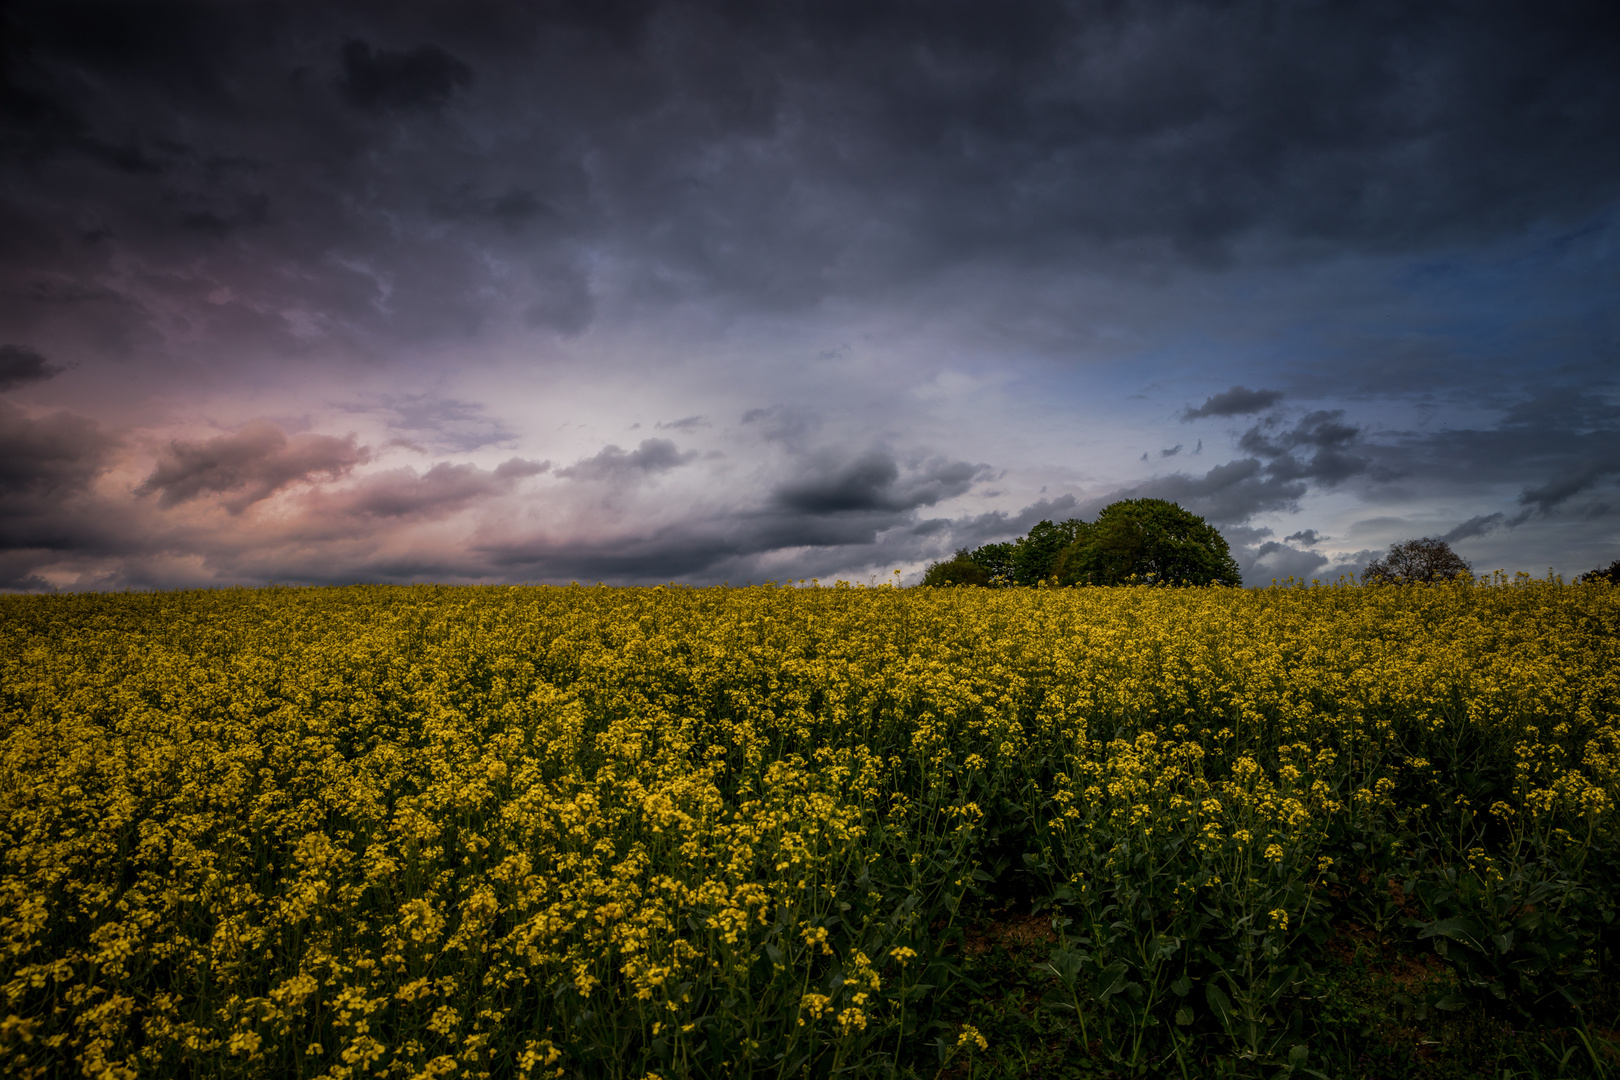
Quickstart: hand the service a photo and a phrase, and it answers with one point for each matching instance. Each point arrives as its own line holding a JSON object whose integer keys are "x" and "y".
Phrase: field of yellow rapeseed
{"x": 433, "y": 831}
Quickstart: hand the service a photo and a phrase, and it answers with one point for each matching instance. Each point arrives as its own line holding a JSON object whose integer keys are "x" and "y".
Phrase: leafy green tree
{"x": 1610, "y": 573}
{"x": 996, "y": 560}
{"x": 960, "y": 569}
{"x": 1151, "y": 540}
{"x": 989, "y": 564}
{"x": 1034, "y": 555}
{"x": 1412, "y": 561}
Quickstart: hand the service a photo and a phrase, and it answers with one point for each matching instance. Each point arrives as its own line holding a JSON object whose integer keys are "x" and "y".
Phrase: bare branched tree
{"x": 1411, "y": 561}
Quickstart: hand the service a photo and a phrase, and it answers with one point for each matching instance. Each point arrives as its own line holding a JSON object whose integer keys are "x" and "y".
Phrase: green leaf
{"x": 1111, "y": 981}
{"x": 1468, "y": 931}
{"x": 1065, "y": 964}
{"x": 1218, "y": 1001}
{"x": 1184, "y": 1016}
{"x": 1182, "y": 986}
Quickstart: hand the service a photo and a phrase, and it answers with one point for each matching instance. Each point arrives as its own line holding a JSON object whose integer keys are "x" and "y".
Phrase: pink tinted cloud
{"x": 442, "y": 490}
{"x": 249, "y": 465}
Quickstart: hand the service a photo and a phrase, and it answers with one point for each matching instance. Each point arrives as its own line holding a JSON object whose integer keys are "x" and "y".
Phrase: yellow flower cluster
{"x": 431, "y": 831}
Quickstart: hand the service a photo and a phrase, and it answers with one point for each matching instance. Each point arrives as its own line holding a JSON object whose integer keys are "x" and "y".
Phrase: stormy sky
{"x": 633, "y": 292}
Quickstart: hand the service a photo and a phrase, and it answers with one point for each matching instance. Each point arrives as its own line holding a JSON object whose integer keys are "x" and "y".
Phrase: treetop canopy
{"x": 1148, "y": 541}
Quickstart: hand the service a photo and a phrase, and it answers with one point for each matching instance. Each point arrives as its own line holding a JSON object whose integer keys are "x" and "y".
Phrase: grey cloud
{"x": 866, "y": 483}
{"x": 313, "y": 184}
{"x": 20, "y": 366}
{"x": 1585, "y": 475}
{"x": 1353, "y": 563}
{"x": 691, "y": 145}
{"x": 517, "y": 468}
{"x": 835, "y": 509}
{"x": 53, "y": 455}
{"x": 1328, "y": 467}
{"x": 18, "y": 572}
{"x": 423, "y": 78}
{"x": 560, "y": 300}
{"x": 652, "y": 456}
{"x": 1478, "y": 525}
{"x": 445, "y": 423}
{"x": 1171, "y": 452}
{"x": 1230, "y": 493}
{"x": 783, "y": 424}
{"x": 49, "y": 506}
{"x": 870, "y": 482}
{"x": 686, "y": 423}
{"x": 1238, "y": 401}
{"x": 515, "y": 208}
{"x": 1323, "y": 429}
{"x": 1324, "y": 432}
{"x": 1305, "y": 538}
{"x": 1273, "y": 559}
{"x": 1553, "y": 444}
{"x": 999, "y": 525}
{"x": 248, "y": 465}
{"x": 442, "y": 490}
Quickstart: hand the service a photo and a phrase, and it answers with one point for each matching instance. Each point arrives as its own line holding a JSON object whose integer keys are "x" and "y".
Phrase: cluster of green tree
{"x": 1154, "y": 542}
{"x": 1148, "y": 541}
{"x": 1431, "y": 559}
{"x": 1610, "y": 573}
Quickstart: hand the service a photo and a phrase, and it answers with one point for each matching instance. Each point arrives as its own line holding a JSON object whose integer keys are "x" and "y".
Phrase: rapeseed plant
{"x": 432, "y": 831}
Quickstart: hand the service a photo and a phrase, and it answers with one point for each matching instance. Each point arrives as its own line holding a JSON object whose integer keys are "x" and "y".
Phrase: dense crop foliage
{"x": 710, "y": 832}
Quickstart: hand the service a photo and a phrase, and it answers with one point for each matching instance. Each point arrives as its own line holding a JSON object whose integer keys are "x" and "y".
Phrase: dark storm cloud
{"x": 422, "y": 78}
{"x": 1555, "y": 444}
{"x": 202, "y": 190}
{"x": 1230, "y": 493}
{"x": 512, "y": 210}
{"x": 20, "y": 366}
{"x": 54, "y": 455}
{"x": 427, "y": 171}
{"x": 1585, "y": 476}
{"x": 832, "y": 511}
{"x": 652, "y": 456}
{"x": 1238, "y": 401}
{"x": 1282, "y": 463}
{"x": 249, "y": 465}
{"x": 1274, "y": 559}
{"x": 1323, "y": 434}
{"x": 1305, "y": 538}
{"x": 1478, "y": 525}
{"x": 999, "y": 525}
{"x": 870, "y": 482}
{"x": 49, "y": 506}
